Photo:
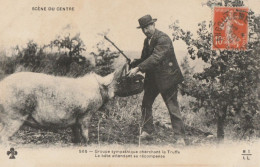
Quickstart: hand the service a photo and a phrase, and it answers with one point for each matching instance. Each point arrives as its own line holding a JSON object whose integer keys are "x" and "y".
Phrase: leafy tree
{"x": 28, "y": 56}
{"x": 34, "y": 58}
{"x": 104, "y": 58}
{"x": 73, "y": 47}
{"x": 228, "y": 86}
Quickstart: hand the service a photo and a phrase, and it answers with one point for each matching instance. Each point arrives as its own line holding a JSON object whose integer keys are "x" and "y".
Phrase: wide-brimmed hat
{"x": 145, "y": 21}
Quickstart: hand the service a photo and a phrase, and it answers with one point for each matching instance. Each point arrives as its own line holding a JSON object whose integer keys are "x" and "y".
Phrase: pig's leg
{"x": 10, "y": 126}
{"x": 85, "y": 122}
{"x": 76, "y": 132}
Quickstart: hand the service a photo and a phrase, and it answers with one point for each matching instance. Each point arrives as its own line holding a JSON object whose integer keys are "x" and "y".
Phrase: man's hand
{"x": 133, "y": 72}
{"x": 134, "y": 63}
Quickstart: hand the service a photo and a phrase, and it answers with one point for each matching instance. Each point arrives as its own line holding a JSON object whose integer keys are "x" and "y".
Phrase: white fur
{"x": 51, "y": 101}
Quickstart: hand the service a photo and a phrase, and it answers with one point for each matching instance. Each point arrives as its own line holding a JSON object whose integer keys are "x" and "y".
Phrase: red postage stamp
{"x": 230, "y": 28}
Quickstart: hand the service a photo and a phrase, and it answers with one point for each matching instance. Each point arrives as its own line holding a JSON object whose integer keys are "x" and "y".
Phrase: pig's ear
{"x": 107, "y": 80}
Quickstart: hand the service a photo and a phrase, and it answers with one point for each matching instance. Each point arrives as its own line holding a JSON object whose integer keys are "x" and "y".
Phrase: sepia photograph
{"x": 130, "y": 83}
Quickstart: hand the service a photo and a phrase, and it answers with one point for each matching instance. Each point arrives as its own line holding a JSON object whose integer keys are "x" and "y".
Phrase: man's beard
{"x": 148, "y": 35}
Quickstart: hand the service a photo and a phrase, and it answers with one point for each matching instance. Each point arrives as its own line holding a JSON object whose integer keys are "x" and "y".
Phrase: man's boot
{"x": 147, "y": 123}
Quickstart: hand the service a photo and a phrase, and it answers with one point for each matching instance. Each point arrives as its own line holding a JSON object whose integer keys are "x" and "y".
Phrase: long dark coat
{"x": 159, "y": 62}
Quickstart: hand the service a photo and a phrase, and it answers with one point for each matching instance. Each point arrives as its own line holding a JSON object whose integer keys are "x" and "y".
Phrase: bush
{"x": 227, "y": 89}
{"x": 34, "y": 59}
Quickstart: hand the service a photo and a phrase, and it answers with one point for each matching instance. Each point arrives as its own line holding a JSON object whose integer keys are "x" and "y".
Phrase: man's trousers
{"x": 170, "y": 99}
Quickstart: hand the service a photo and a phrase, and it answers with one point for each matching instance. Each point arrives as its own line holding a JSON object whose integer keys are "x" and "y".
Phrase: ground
{"x": 121, "y": 135}
{"x": 119, "y": 124}
{"x": 106, "y": 130}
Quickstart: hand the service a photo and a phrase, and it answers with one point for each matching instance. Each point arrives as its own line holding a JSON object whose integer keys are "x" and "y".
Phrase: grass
{"x": 118, "y": 123}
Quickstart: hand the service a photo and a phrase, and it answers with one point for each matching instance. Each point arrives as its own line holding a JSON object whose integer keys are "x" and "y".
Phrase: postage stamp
{"x": 230, "y": 29}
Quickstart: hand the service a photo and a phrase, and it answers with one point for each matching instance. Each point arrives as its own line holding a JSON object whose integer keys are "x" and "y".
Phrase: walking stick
{"x": 128, "y": 60}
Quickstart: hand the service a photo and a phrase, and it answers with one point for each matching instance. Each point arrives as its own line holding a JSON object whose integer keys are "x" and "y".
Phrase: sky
{"x": 19, "y": 23}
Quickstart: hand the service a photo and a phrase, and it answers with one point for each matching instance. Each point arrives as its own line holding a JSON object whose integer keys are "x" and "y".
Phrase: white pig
{"x": 52, "y": 102}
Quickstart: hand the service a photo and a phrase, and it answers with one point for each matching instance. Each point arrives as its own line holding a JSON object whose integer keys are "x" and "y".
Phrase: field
{"x": 117, "y": 126}
{"x": 119, "y": 121}
{"x": 121, "y": 126}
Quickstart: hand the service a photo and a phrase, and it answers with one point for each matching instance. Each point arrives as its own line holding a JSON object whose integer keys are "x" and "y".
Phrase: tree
{"x": 228, "y": 86}
{"x": 73, "y": 47}
{"x": 104, "y": 58}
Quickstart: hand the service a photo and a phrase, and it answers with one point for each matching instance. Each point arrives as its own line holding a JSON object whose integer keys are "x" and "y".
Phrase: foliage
{"x": 228, "y": 87}
{"x": 74, "y": 44}
{"x": 35, "y": 58}
{"x": 104, "y": 58}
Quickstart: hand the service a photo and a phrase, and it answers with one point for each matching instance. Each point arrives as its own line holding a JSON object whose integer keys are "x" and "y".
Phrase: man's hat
{"x": 145, "y": 21}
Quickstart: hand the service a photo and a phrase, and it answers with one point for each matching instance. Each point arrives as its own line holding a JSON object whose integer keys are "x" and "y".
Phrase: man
{"x": 162, "y": 75}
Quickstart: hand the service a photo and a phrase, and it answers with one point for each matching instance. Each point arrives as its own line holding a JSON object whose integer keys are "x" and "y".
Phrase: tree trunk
{"x": 220, "y": 124}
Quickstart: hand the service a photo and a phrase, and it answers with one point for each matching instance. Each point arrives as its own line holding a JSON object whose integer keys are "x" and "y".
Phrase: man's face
{"x": 149, "y": 30}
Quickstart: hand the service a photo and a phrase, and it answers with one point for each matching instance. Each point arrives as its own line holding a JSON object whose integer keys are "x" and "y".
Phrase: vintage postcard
{"x": 130, "y": 83}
